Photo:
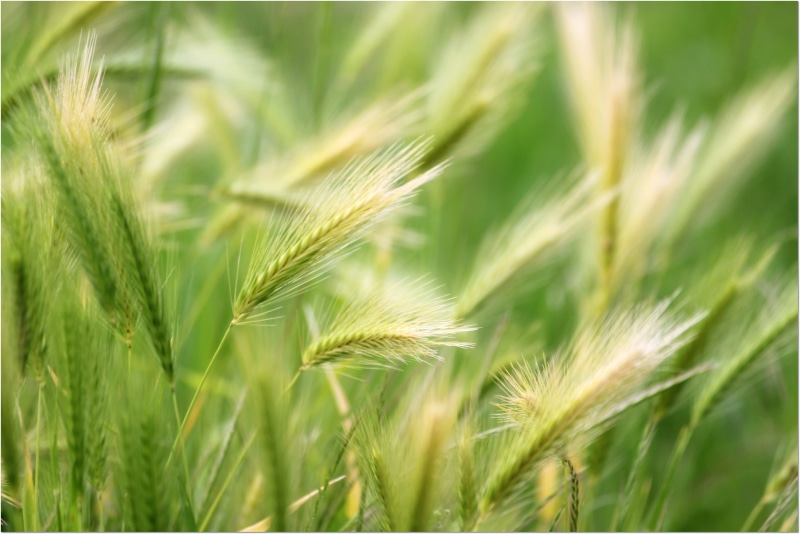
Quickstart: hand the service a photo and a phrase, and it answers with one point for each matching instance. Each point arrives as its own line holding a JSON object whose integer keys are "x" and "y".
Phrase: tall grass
{"x": 252, "y": 282}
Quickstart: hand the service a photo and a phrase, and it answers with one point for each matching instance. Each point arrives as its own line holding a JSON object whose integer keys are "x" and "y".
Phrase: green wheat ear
{"x": 386, "y": 327}
{"x": 297, "y": 247}
{"x": 83, "y": 352}
{"x": 104, "y": 219}
{"x": 561, "y": 405}
{"x": 144, "y": 487}
{"x": 34, "y": 248}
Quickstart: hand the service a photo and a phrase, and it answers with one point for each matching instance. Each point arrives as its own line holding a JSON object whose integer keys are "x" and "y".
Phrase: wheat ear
{"x": 296, "y": 248}
{"x": 387, "y": 327}
{"x": 605, "y": 367}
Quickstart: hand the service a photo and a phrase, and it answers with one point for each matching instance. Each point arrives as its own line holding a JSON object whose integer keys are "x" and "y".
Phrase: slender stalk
{"x": 612, "y": 175}
{"x": 680, "y": 448}
{"x": 293, "y": 380}
{"x": 100, "y": 505}
{"x": 630, "y": 484}
{"x": 555, "y": 520}
{"x": 37, "y": 465}
{"x": 354, "y": 494}
{"x": 747, "y": 527}
{"x": 180, "y": 435}
{"x": 197, "y": 393}
{"x": 226, "y": 483}
{"x": 158, "y": 18}
{"x": 790, "y": 495}
{"x": 264, "y": 524}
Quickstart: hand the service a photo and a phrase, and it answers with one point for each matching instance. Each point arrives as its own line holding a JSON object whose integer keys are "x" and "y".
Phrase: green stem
{"x": 294, "y": 379}
{"x": 158, "y": 19}
{"x": 100, "y": 505}
{"x": 179, "y": 437}
{"x": 226, "y": 483}
{"x": 197, "y": 394}
{"x": 753, "y": 515}
{"x": 37, "y": 465}
{"x": 677, "y": 454}
{"x": 631, "y": 483}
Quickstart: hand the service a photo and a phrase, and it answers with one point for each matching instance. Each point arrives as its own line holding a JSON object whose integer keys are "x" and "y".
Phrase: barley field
{"x": 399, "y": 266}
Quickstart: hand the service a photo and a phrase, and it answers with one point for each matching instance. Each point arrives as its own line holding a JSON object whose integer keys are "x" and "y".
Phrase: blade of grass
{"x": 179, "y": 434}
{"x": 234, "y": 469}
{"x": 216, "y": 469}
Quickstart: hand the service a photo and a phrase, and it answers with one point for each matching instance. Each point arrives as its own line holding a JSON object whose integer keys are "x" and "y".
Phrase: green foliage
{"x": 421, "y": 331}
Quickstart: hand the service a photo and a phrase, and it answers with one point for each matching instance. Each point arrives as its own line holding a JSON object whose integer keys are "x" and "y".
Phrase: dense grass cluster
{"x": 241, "y": 294}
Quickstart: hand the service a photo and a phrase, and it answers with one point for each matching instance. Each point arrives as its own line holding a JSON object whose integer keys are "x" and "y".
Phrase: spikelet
{"x": 674, "y": 180}
{"x": 398, "y": 324}
{"x": 140, "y": 274}
{"x": 80, "y": 105}
{"x": 603, "y": 83}
{"x": 296, "y": 248}
{"x": 717, "y": 291}
{"x": 288, "y": 183}
{"x": 563, "y": 404}
{"x": 67, "y": 146}
{"x": 104, "y": 220}
{"x": 281, "y": 183}
{"x": 82, "y": 363}
{"x": 144, "y": 485}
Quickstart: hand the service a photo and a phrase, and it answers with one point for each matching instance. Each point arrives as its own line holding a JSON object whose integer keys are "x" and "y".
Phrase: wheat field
{"x": 399, "y": 267}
